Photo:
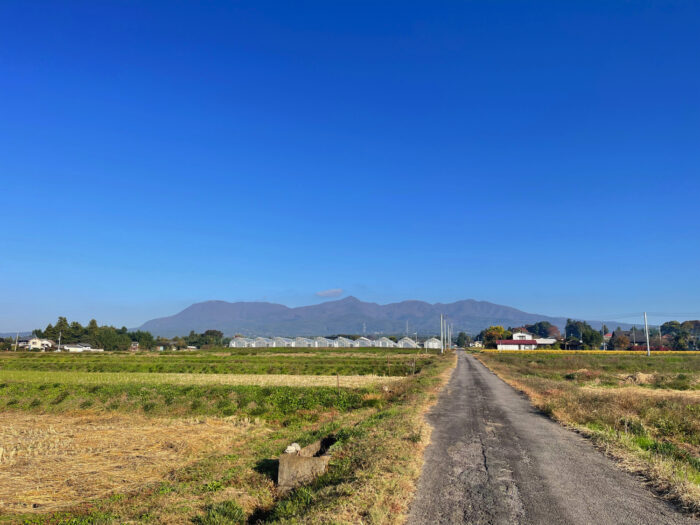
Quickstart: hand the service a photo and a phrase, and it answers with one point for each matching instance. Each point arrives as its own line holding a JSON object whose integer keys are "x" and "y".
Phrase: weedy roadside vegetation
{"x": 643, "y": 410}
{"x": 207, "y": 453}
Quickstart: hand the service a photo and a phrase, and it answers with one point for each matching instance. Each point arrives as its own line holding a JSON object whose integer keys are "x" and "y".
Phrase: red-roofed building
{"x": 516, "y": 344}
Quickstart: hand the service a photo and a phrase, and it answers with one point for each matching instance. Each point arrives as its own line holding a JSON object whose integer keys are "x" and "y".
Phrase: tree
{"x": 462, "y": 340}
{"x": 619, "y": 341}
{"x": 492, "y": 334}
{"x": 671, "y": 328}
{"x": 543, "y": 329}
{"x": 581, "y": 331}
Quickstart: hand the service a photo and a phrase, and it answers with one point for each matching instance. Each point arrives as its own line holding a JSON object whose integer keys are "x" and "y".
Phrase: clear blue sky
{"x": 540, "y": 155}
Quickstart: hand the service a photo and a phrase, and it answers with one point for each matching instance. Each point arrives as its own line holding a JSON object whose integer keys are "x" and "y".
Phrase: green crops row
{"x": 285, "y": 404}
{"x": 210, "y": 364}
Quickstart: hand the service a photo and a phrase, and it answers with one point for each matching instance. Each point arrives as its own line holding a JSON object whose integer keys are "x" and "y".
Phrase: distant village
{"x": 578, "y": 335}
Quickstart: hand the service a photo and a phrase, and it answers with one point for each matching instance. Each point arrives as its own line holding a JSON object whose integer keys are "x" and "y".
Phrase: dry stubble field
{"x": 192, "y": 438}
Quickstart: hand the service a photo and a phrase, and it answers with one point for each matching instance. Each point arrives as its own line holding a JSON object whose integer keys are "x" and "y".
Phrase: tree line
{"x": 579, "y": 335}
{"x": 115, "y": 339}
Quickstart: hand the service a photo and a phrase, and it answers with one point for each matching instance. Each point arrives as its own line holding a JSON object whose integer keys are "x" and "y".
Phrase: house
{"x": 384, "y": 342}
{"x": 362, "y": 342}
{"x": 522, "y": 336}
{"x": 134, "y": 346}
{"x": 516, "y": 344}
{"x": 36, "y": 343}
{"x": 476, "y": 344}
{"x": 407, "y": 342}
{"x": 81, "y": 347}
{"x": 433, "y": 343}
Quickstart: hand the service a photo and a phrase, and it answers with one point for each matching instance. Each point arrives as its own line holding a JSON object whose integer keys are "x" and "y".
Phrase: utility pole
{"x": 646, "y": 332}
{"x": 16, "y": 341}
{"x": 442, "y": 327}
{"x": 59, "y": 341}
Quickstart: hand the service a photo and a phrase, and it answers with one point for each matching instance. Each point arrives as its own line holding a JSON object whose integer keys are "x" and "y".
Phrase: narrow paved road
{"x": 494, "y": 459}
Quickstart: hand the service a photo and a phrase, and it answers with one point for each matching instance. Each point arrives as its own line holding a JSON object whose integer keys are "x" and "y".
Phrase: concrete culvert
{"x": 298, "y": 466}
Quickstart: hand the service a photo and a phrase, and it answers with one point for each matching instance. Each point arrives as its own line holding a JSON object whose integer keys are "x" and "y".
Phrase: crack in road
{"x": 494, "y": 459}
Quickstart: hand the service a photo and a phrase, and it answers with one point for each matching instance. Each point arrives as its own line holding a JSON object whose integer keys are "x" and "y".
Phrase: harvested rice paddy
{"x": 115, "y": 378}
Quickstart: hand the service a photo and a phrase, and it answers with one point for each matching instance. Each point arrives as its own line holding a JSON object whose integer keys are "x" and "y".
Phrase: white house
{"x": 384, "y": 342}
{"x": 80, "y": 347}
{"x": 432, "y": 343}
{"x": 35, "y": 343}
{"x": 522, "y": 336}
{"x": 407, "y": 342}
{"x": 476, "y": 344}
{"x": 516, "y": 344}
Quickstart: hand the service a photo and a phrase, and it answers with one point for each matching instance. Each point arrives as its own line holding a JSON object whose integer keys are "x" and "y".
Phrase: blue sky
{"x": 540, "y": 155}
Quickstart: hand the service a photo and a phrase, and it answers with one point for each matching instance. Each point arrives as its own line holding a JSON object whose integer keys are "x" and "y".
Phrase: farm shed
{"x": 241, "y": 342}
{"x": 344, "y": 342}
{"x": 361, "y": 342}
{"x": 407, "y": 342}
{"x": 432, "y": 343}
{"x": 322, "y": 342}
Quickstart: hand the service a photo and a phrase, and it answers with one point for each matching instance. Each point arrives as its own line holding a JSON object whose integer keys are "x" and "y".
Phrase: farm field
{"x": 229, "y": 361}
{"x": 643, "y": 410}
{"x": 114, "y": 438}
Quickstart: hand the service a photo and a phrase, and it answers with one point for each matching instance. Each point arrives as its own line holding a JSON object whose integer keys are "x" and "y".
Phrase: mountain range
{"x": 344, "y": 316}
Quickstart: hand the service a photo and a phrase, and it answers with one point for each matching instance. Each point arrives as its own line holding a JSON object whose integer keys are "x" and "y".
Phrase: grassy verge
{"x": 645, "y": 411}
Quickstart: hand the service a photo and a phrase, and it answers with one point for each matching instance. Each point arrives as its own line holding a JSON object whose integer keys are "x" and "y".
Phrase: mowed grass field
{"x": 193, "y": 437}
{"x": 643, "y": 410}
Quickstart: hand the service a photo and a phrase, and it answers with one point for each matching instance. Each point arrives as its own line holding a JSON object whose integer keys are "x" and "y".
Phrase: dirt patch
{"x": 49, "y": 462}
{"x": 638, "y": 378}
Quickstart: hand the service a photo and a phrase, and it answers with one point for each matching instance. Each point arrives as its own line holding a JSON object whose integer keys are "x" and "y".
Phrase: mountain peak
{"x": 348, "y": 315}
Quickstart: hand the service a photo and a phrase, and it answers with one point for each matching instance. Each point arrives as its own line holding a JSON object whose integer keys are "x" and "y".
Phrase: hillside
{"x": 348, "y": 316}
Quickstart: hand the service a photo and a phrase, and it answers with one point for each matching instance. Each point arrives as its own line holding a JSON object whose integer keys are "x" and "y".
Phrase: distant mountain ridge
{"x": 344, "y": 316}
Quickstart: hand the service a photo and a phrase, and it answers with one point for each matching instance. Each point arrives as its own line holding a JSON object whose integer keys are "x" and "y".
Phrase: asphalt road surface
{"x": 494, "y": 459}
